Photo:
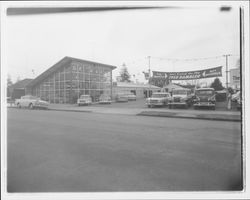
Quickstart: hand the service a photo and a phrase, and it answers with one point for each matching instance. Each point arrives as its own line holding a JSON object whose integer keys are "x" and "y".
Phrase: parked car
{"x": 158, "y": 99}
{"x": 31, "y": 102}
{"x": 236, "y": 96}
{"x": 131, "y": 97}
{"x": 121, "y": 98}
{"x": 84, "y": 100}
{"x": 105, "y": 99}
{"x": 239, "y": 103}
{"x": 181, "y": 97}
{"x": 204, "y": 97}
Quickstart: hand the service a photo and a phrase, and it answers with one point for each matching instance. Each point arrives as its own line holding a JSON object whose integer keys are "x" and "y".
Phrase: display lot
{"x": 51, "y": 151}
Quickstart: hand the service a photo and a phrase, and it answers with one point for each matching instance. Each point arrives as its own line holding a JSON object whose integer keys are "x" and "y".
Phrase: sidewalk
{"x": 155, "y": 112}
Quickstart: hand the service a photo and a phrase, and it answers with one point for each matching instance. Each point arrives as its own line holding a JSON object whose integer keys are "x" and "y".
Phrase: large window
{"x": 67, "y": 84}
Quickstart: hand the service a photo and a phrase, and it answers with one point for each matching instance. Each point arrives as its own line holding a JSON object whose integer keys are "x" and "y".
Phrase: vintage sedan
{"x": 121, "y": 98}
{"x": 131, "y": 97}
{"x": 31, "y": 102}
{"x": 104, "y": 99}
{"x": 204, "y": 97}
{"x": 84, "y": 100}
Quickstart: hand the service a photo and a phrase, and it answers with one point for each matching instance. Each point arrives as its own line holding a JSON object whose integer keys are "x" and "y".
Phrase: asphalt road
{"x": 54, "y": 151}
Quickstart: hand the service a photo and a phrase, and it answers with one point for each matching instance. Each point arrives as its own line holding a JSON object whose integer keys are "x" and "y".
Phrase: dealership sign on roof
{"x": 207, "y": 73}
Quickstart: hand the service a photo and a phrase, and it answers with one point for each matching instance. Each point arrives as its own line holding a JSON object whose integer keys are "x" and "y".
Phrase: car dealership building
{"x": 65, "y": 81}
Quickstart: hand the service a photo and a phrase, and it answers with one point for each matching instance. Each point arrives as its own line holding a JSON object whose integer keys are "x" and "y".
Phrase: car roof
{"x": 161, "y": 93}
{"x": 85, "y": 95}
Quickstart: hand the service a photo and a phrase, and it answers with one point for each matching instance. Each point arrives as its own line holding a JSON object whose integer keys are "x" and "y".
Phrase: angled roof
{"x": 21, "y": 84}
{"x": 62, "y": 63}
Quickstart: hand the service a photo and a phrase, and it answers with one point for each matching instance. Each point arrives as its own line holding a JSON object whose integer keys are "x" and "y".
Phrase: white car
{"x": 181, "y": 97}
{"x": 131, "y": 97}
{"x": 105, "y": 99}
{"x": 31, "y": 102}
{"x": 84, "y": 100}
{"x": 158, "y": 99}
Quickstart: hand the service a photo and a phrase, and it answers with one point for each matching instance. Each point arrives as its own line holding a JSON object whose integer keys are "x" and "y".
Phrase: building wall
{"x": 140, "y": 92}
{"x": 73, "y": 80}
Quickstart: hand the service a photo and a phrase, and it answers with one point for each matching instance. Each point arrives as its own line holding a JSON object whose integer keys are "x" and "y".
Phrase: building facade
{"x": 65, "y": 81}
{"x": 235, "y": 78}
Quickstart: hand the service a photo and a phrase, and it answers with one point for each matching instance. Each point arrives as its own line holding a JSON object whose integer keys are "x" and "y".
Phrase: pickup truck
{"x": 31, "y": 102}
{"x": 158, "y": 99}
{"x": 181, "y": 97}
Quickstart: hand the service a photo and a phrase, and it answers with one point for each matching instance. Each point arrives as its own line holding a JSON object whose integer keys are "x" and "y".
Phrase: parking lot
{"x": 141, "y": 103}
{"x": 50, "y": 151}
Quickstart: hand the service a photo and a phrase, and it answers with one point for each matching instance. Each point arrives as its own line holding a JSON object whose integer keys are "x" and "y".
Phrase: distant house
{"x": 19, "y": 89}
{"x": 170, "y": 87}
{"x": 140, "y": 90}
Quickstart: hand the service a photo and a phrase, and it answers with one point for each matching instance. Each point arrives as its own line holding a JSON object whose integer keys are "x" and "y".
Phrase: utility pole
{"x": 227, "y": 55}
{"x": 149, "y": 76}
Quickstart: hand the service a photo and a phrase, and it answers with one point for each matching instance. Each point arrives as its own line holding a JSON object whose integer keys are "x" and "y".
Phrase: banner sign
{"x": 207, "y": 73}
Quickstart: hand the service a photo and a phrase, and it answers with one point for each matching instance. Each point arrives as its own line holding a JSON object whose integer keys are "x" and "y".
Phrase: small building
{"x": 140, "y": 90}
{"x": 235, "y": 78}
{"x": 170, "y": 87}
{"x": 69, "y": 78}
{"x": 18, "y": 89}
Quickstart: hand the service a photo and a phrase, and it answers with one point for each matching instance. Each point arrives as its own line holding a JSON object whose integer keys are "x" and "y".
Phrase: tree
{"x": 159, "y": 82}
{"x": 217, "y": 85}
{"x": 125, "y": 76}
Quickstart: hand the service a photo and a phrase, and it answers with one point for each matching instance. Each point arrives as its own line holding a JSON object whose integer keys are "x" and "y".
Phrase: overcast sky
{"x": 116, "y": 37}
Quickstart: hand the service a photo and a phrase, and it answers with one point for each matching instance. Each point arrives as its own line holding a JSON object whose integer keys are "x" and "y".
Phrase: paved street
{"x": 56, "y": 151}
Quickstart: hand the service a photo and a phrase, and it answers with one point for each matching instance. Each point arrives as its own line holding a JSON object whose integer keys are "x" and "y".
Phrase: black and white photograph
{"x": 124, "y": 100}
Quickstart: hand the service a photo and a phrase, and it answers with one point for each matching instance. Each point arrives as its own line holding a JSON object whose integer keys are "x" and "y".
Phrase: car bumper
{"x": 208, "y": 104}
{"x": 177, "y": 103}
{"x": 155, "y": 104}
{"x": 104, "y": 102}
{"x": 41, "y": 106}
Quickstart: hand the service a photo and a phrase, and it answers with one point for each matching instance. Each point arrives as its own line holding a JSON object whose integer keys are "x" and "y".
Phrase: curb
{"x": 200, "y": 117}
{"x": 65, "y": 110}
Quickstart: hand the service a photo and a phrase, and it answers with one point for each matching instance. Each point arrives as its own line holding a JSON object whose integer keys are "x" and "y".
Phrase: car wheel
{"x": 31, "y": 106}
{"x": 149, "y": 106}
{"x": 19, "y": 106}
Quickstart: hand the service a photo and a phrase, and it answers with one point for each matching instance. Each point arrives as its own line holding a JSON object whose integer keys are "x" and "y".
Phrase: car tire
{"x": 31, "y": 106}
{"x": 19, "y": 105}
{"x": 149, "y": 106}
{"x": 170, "y": 106}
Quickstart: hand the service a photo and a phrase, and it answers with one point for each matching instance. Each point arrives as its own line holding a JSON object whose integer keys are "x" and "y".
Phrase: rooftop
{"x": 62, "y": 63}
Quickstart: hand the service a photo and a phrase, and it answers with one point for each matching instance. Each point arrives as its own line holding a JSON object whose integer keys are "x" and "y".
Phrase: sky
{"x": 36, "y": 42}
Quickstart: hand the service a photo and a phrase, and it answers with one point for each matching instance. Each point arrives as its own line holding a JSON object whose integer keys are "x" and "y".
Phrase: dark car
{"x": 204, "y": 97}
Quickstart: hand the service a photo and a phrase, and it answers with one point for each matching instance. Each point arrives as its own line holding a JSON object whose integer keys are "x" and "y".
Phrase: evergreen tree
{"x": 217, "y": 85}
{"x": 125, "y": 76}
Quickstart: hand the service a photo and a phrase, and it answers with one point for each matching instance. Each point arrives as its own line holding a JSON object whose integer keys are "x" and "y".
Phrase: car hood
{"x": 179, "y": 96}
{"x": 41, "y": 101}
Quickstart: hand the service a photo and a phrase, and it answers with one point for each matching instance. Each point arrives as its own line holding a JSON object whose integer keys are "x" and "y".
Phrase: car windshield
{"x": 159, "y": 95}
{"x": 179, "y": 92}
{"x": 204, "y": 92}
